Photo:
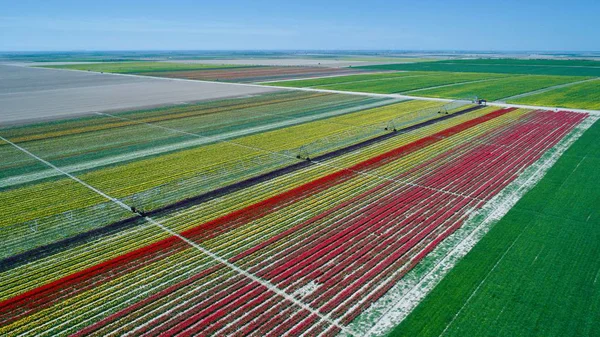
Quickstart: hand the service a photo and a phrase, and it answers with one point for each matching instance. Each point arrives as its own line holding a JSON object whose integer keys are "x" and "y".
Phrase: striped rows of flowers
{"x": 241, "y": 229}
{"x": 115, "y": 245}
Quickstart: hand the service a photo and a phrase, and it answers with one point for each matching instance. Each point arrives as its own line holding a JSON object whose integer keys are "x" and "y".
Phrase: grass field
{"x": 535, "y": 273}
{"x": 391, "y": 83}
{"x": 531, "y": 62}
{"x": 456, "y": 85}
{"x": 583, "y": 96}
{"x": 138, "y": 67}
{"x": 504, "y": 66}
{"x": 317, "y": 82}
{"x": 254, "y": 74}
{"x": 498, "y": 89}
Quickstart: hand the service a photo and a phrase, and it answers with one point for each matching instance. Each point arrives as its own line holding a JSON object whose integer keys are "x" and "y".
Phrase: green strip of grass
{"x": 345, "y": 79}
{"x": 502, "y": 88}
{"x": 407, "y": 83}
{"x": 531, "y": 62}
{"x": 531, "y": 67}
{"x": 537, "y": 272}
{"x": 582, "y": 96}
{"x": 142, "y": 67}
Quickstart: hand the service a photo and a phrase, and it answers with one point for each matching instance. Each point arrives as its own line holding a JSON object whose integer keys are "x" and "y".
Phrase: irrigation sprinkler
{"x": 303, "y": 153}
{"x": 391, "y": 126}
{"x": 33, "y": 225}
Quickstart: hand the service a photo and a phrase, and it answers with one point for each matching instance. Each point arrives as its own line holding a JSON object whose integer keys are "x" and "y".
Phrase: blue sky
{"x": 373, "y": 24}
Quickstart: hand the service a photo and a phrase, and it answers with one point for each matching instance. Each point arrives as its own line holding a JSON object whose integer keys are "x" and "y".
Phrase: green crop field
{"x": 386, "y": 84}
{"x": 530, "y": 62}
{"x": 583, "y": 96}
{"x": 139, "y": 67}
{"x": 505, "y": 66}
{"x": 536, "y": 272}
{"x": 318, "y": 82}
{"x": 389, "y": 202}
{"x": 502, "y": 88}
{"x": 137, "y": 152}
{"x": 462, "y": 86}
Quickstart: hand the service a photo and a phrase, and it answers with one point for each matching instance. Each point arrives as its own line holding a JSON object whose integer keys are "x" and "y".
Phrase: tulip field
{"x": 210, "y": 72}
{"x": 283, "y": 214}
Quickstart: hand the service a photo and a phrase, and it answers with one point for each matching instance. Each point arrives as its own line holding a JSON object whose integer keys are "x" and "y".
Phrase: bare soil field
{"x": 32, "y": 93}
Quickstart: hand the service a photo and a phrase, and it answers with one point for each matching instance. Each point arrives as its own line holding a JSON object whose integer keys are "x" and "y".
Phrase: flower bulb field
{"x": 328, "y": 201}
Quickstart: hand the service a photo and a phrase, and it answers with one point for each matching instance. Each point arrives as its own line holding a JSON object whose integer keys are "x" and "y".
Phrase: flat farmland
{"x": 211, "y": 72}
{"x": 583, "y": 96}
{"x": 460, "y": 86}
{"x": 31, "y": 93}
{"x": 535, "y": 273}
{"x": 120, "y": 152}
{"x": 284, "y": 213}
{"x": 332, "y": 62}
{"x": 335, "y": 80}
{"x": 254, "y": 74}
{"x": 136, "y": 67}
{"x": 392, "y": 83}
{"x": 504, "y": 66}
{"x": 257, "y": 210}
{"x": 499, "y": 89}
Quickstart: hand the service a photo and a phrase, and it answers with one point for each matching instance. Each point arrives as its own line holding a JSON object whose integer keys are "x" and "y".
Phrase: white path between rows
{"x": 420, "y": 98}
{"x": 265, "y": 283}
{"x": 92, "y": 164}
{"x": 254, "y": 278}
{"x": 115, "y": 200}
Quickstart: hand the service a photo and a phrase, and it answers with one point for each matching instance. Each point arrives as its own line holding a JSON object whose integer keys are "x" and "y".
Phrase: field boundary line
{"x": 412, "y": 293}
{"x": 357, "y": 93}
{"x": 291, "y": 120}
{"x": 106, "y": 196}
{"x": 483, "y": 281}
{"x": 267, "y": 284}
{"x": 543, "y": 90}
{"x": 457, "y": 84}
{"x": 241, "y": 271}
{"x": 285, "y": 122}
